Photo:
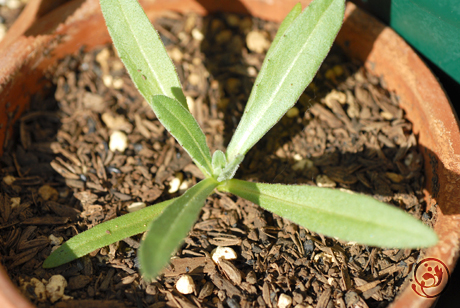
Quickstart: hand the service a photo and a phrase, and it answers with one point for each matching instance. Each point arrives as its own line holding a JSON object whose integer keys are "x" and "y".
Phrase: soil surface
{"x": 61, "y": 175}
{"x": 9, "y": 12}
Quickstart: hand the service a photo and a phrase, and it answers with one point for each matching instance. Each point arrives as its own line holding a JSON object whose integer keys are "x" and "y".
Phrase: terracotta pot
{"x": 42, "y": 36}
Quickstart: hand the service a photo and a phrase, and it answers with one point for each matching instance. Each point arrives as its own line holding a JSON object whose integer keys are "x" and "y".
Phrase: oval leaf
{"x": 346, "y": 215}
{"x": 105, "y": 234}
{"x": 169, "y": 229}
{"x": 141, "y": 50}
{"x": 183, "y": 126}
{"x": 218, "y": 162}
{"x": 287, "y": 71}
{"x": 230, "y": 169}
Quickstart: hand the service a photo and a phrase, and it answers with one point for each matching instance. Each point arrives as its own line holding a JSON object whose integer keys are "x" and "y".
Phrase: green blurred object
{"x": 430, "y": 26}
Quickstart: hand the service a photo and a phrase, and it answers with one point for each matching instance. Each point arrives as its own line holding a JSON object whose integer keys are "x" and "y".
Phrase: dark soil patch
{"x": 59, "y": 178}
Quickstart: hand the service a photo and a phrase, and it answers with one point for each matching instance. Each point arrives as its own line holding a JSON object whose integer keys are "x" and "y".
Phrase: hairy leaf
{"x": 343, "y": 214}
{"x": 169, "y": 229}
{"x": 293, "y": 14}
{"x": 218, "y": 162}
{"x": 183, "y": 126}
{"x": 141, "y": 50}
{"x": 287, "y": 71}
{"x": 230, "y": 169}
{"x": 105, "y": 234}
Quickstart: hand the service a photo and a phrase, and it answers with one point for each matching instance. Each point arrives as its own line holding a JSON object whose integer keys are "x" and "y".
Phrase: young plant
{"x": 298, "y": 49}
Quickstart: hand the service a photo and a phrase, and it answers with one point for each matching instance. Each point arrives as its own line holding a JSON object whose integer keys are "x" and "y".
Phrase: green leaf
{"x": 105, "y": 234}
{"x": 167, "y": 231}
{"x": 288, "y": 20}
{"x": 287, "y": 71}
{"x": 293, "y": 14}
{"x": 218, "y": 162}
{"x": 346, "y": 215}
{"x": 141, "y": 50}
{"x": 183, "y": 126}
{"x": 230, "y": 169}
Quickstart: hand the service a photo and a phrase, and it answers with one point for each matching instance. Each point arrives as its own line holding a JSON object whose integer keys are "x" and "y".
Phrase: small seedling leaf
{"x": 287, "y": 71}
{"x": 105, "y": 234}
{"x": 343, "y": 214}
{"x": 141, "y": 50}
{"x": 169, "y": 229}
{"x": 230, "y": 169}
{"x": 183, "y": 126}
{"x": 218, "y": 162}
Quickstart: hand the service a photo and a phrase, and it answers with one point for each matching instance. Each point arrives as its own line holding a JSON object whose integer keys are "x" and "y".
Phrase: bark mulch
{"x": 59, "y": 178}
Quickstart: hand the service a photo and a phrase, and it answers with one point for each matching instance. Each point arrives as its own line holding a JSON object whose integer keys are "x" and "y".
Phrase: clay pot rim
{"x": 416, "y": 86}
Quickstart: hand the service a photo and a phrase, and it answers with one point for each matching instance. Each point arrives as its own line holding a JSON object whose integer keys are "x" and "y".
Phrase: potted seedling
{"x": 301, "y": 44}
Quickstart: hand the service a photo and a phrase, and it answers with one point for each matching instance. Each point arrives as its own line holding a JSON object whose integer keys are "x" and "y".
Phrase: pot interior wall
{"x": 434, "y": 122}
{"x": 361, "y": 37}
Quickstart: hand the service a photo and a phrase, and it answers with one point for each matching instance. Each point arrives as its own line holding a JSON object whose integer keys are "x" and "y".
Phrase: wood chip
{"x": 191, "y": 266}
{"x": 47, "y": 220}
